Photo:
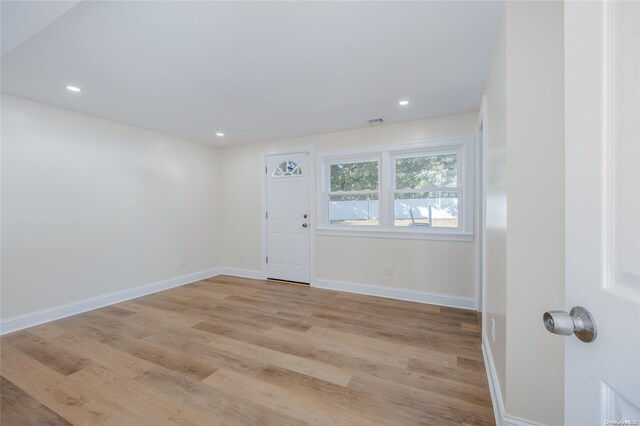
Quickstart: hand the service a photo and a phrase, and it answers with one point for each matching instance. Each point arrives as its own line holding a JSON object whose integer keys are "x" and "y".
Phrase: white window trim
{"x": 386, "y": 155}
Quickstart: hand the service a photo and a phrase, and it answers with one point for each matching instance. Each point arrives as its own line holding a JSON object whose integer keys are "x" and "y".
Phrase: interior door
{"x": 602, "y": 111}
{"x": 288, "y": 250}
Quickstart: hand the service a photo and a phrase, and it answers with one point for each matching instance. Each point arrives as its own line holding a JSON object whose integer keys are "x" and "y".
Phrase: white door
{"x": 288, "y": 250}
{"x": 602, "y": 111}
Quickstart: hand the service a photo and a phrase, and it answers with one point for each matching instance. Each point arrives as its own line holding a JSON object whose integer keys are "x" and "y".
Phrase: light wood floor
{"x": 236, "y": 351}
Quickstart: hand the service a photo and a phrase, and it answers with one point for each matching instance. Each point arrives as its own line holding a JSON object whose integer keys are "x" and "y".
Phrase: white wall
{"x": 535, "y": 238}
{"x": 495, "y": 146}
{"x": 427, "y": 266}
{"x": 525, "y": 243}
{"x": 90, "y": 207}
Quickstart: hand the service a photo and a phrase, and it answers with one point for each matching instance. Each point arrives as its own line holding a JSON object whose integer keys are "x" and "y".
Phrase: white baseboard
{"x": 502, "y": 419}
{"x": 494, "y": 384}
{"x": 242, "y": 273}
{"x": 31, "y": 319}
{"x": 398, "y": 293}
{"x": 508, "y": 420}
{"x": 20, "y": 322}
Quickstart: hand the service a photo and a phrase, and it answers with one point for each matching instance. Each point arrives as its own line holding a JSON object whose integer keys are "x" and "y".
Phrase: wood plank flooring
{"x": 236, "y": 351}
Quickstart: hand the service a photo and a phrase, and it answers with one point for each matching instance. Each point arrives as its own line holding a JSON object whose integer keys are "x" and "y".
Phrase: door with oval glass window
{"x": 288, "y": 226}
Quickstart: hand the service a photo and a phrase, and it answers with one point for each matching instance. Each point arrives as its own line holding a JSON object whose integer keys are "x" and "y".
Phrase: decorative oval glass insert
{"x": 287, "y": 168}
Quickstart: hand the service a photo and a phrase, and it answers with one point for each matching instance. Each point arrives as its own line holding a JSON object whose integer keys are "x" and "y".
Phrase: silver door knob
{"x": 579, "y": 322}
{"x": 305, "y": 225}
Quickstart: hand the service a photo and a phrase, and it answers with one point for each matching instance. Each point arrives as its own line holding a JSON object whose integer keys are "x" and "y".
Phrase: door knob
{"x": 579, "y": 322}
{"x": 305, "y": 225}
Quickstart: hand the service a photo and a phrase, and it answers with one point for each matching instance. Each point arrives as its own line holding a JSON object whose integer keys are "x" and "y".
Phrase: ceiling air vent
{"x": 376, "y": 121}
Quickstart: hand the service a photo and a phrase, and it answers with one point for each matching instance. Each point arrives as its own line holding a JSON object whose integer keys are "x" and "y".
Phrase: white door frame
{"x": 481, "y": 208}
{"x": 311, "y": 174}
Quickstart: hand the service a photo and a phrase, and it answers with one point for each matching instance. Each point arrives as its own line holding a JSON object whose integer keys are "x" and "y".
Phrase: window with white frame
{"x": 419, "y": 189}
{"x": 353, "y": 192}
{"x": 426, "y": 190}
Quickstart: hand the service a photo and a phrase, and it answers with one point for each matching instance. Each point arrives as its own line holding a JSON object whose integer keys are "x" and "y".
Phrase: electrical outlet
{"x": 493, "y": 330}
{"x": 388, "y": 270}
{"x": 183, "y": 263}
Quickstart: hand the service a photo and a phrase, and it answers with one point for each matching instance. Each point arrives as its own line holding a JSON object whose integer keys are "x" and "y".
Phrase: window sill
{"x": 393, "y": 234}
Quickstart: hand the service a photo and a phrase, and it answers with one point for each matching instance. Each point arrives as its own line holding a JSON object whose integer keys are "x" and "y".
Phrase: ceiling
{"x": 254, "y": 70}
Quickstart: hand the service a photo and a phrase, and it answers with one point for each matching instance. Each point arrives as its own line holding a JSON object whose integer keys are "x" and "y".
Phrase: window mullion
{"x": 363, "y": 192}
{"x": 435, "y": 189}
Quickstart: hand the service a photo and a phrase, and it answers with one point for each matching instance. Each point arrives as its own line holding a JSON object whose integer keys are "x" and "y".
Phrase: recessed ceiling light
{"x": 403, "y": 103}
{"x": 73, "y": 89}
{"x": 219, "y": 134}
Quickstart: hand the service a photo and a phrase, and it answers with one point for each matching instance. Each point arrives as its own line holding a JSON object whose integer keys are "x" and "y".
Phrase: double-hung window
{"x": 426, "y": 190}
{"x": 353, "y": 197}
{"x": 420, "y": 190}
